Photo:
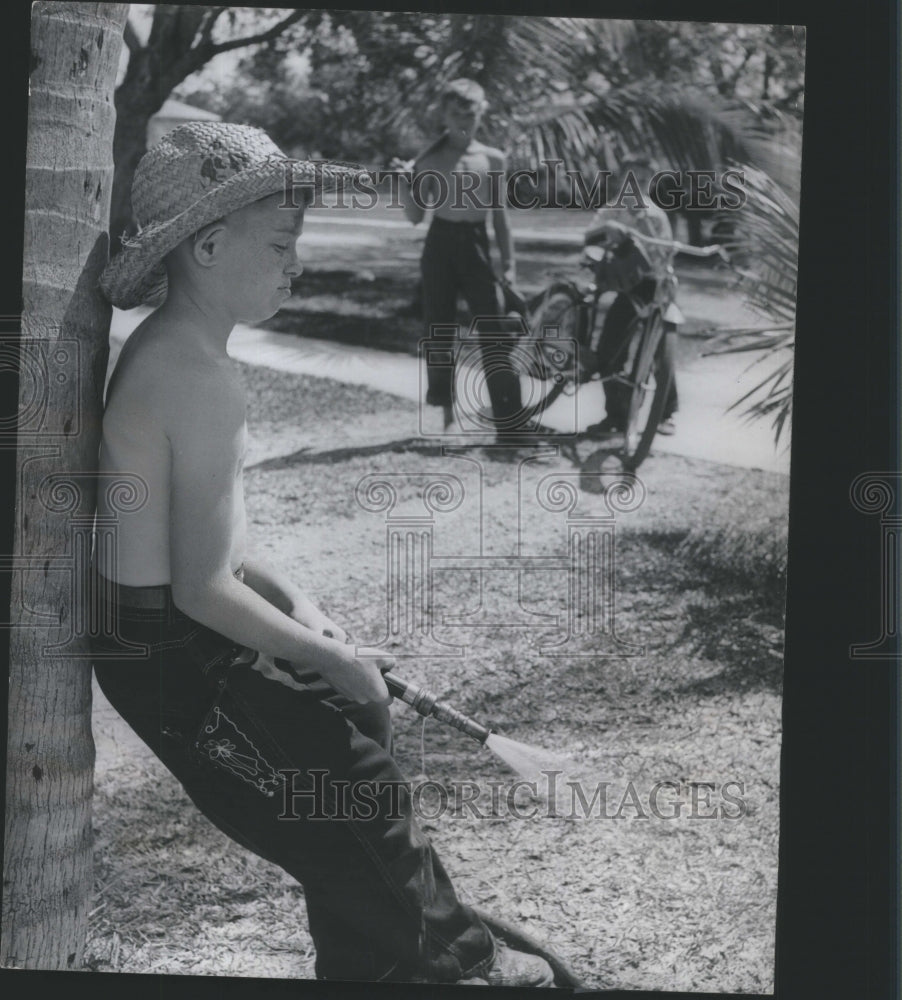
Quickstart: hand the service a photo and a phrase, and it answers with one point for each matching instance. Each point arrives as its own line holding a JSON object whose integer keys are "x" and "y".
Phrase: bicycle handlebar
{"x": 714, "y": 250}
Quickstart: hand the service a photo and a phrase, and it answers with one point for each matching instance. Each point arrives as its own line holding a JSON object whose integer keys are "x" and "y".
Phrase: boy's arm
{"x": 501, "y": 223}
{"x": 413, "y": 211}
{"x": 204, "y": 497}
{"x": 275, "y": 587}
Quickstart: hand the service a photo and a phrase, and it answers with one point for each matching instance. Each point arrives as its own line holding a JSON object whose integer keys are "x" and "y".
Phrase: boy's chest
{"x": 451, "y": 162}
{"x": 462, "y": 187}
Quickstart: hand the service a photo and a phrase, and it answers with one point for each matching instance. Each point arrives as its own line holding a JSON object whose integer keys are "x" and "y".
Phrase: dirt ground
{"x": 682, "y": 900}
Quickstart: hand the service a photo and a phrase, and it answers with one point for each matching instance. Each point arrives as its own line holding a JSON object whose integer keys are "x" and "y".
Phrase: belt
{"x": 156, "y": 598}
{"x": 437, "y": 220}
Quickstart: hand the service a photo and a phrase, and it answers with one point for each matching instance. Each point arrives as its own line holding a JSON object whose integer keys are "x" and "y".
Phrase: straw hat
{"x": 196, "y": 174}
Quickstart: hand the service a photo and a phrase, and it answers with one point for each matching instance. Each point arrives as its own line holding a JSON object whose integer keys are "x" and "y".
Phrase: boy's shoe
{"x": 515, "y": 968}
{"x": 667, "y": 427}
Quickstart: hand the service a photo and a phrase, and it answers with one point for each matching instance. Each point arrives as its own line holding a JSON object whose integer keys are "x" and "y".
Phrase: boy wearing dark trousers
{"x": 463, "y": 181}
{"x": 610, "y": 227}
{"x": 248, "y": 693}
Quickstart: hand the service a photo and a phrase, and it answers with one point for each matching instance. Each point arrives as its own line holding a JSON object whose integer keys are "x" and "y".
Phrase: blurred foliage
{"x": 363, "y": 85}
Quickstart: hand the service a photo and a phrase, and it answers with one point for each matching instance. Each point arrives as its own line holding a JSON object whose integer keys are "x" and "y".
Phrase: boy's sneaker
{"x": 667, "y": 427}
{"x": 515, "y": 968}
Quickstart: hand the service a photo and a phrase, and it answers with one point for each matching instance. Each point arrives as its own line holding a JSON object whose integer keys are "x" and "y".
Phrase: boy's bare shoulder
{"x": 167, "y": 381}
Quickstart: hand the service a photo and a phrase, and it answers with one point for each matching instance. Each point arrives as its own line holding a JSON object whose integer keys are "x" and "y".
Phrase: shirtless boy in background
{"x": 246, "y": 689}
{"x": 465, "y": 182}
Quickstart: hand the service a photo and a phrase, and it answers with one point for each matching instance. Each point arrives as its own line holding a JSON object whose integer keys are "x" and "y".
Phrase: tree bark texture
{"x": 47, "y": 870}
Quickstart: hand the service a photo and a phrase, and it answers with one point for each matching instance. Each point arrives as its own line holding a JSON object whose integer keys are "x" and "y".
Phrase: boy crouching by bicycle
{"x": 611, "y": 227}
{"x": 240, "y": 685}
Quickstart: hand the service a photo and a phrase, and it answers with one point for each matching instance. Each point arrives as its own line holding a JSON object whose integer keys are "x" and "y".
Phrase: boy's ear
{"x": 207, "y": 242}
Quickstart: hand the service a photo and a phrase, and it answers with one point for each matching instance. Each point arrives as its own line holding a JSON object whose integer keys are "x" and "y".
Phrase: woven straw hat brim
{"x": 137, "y": 275}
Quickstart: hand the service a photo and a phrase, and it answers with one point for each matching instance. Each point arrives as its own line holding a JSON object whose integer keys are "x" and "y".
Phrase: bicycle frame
{"x": 587, "y": 303}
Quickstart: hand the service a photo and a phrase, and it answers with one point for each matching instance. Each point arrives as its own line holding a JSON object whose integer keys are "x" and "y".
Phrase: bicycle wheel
{"x": 556, "y": 335}
{"x": 651, "y": 372}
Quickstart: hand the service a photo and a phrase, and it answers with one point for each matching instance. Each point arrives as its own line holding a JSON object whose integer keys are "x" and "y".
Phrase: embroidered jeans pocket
{"x": 227, "y": 739}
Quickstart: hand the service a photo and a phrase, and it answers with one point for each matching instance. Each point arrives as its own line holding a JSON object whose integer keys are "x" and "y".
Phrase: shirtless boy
{"x": 245, "y": 686}
{"x": 464, "y": 179}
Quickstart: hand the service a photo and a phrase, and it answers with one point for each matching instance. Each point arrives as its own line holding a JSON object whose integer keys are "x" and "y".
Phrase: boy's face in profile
{"x": 252, "y": 257}
{"x": 461, "y": 118}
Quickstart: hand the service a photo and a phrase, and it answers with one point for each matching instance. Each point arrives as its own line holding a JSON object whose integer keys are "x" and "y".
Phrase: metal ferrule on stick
{"x": 426, "y": 703}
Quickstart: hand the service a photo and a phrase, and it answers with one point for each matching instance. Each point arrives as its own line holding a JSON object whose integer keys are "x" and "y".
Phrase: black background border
{"x": 838, "y": 900}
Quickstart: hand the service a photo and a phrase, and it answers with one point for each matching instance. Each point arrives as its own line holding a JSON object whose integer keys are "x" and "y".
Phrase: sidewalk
{"x": 564, "y": 237}
{"x": 707, "y": 387}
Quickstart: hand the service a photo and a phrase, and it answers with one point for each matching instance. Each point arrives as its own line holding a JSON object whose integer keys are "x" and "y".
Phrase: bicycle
{"x": 564, "y": 329}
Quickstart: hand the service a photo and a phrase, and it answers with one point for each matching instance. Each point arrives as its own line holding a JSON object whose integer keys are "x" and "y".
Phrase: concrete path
{"x": 548, "y": 243}
{"x": 707, "y": 387}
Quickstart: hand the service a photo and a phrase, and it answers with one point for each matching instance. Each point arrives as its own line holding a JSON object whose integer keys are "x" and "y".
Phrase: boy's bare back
{"x": 171, "y": 403}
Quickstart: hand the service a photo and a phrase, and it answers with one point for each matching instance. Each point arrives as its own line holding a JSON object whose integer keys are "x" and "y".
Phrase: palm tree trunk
{"x": 47, "y": 872}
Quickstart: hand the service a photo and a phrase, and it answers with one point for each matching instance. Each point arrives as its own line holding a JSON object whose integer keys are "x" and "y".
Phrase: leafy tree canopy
{"x": 362, "y": 85}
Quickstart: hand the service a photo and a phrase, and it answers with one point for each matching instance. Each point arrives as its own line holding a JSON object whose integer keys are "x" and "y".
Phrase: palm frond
{"x": 765, "y": 255}
{"x": 753, "y": 338}
{"x": 680, "y": 127}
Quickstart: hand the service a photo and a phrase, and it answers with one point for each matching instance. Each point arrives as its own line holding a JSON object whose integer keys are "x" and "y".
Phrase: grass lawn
{"x": 629, "y": 898}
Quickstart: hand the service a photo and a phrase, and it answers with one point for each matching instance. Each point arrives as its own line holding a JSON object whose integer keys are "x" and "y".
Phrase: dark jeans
{"x": 455, "y": 261}
{"x": 251, "y": 752}
{"x": 612, "y": 352}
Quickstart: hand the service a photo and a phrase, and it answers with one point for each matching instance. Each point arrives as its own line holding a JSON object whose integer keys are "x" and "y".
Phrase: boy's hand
{"x": 401, "y": 166}
{"x": 332, "y": 631}
{"x": 311, "y": 617}
{"x": 359, "y": 679}
{"x": 510, "y": 274}
{"x": 382, "y": 660}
